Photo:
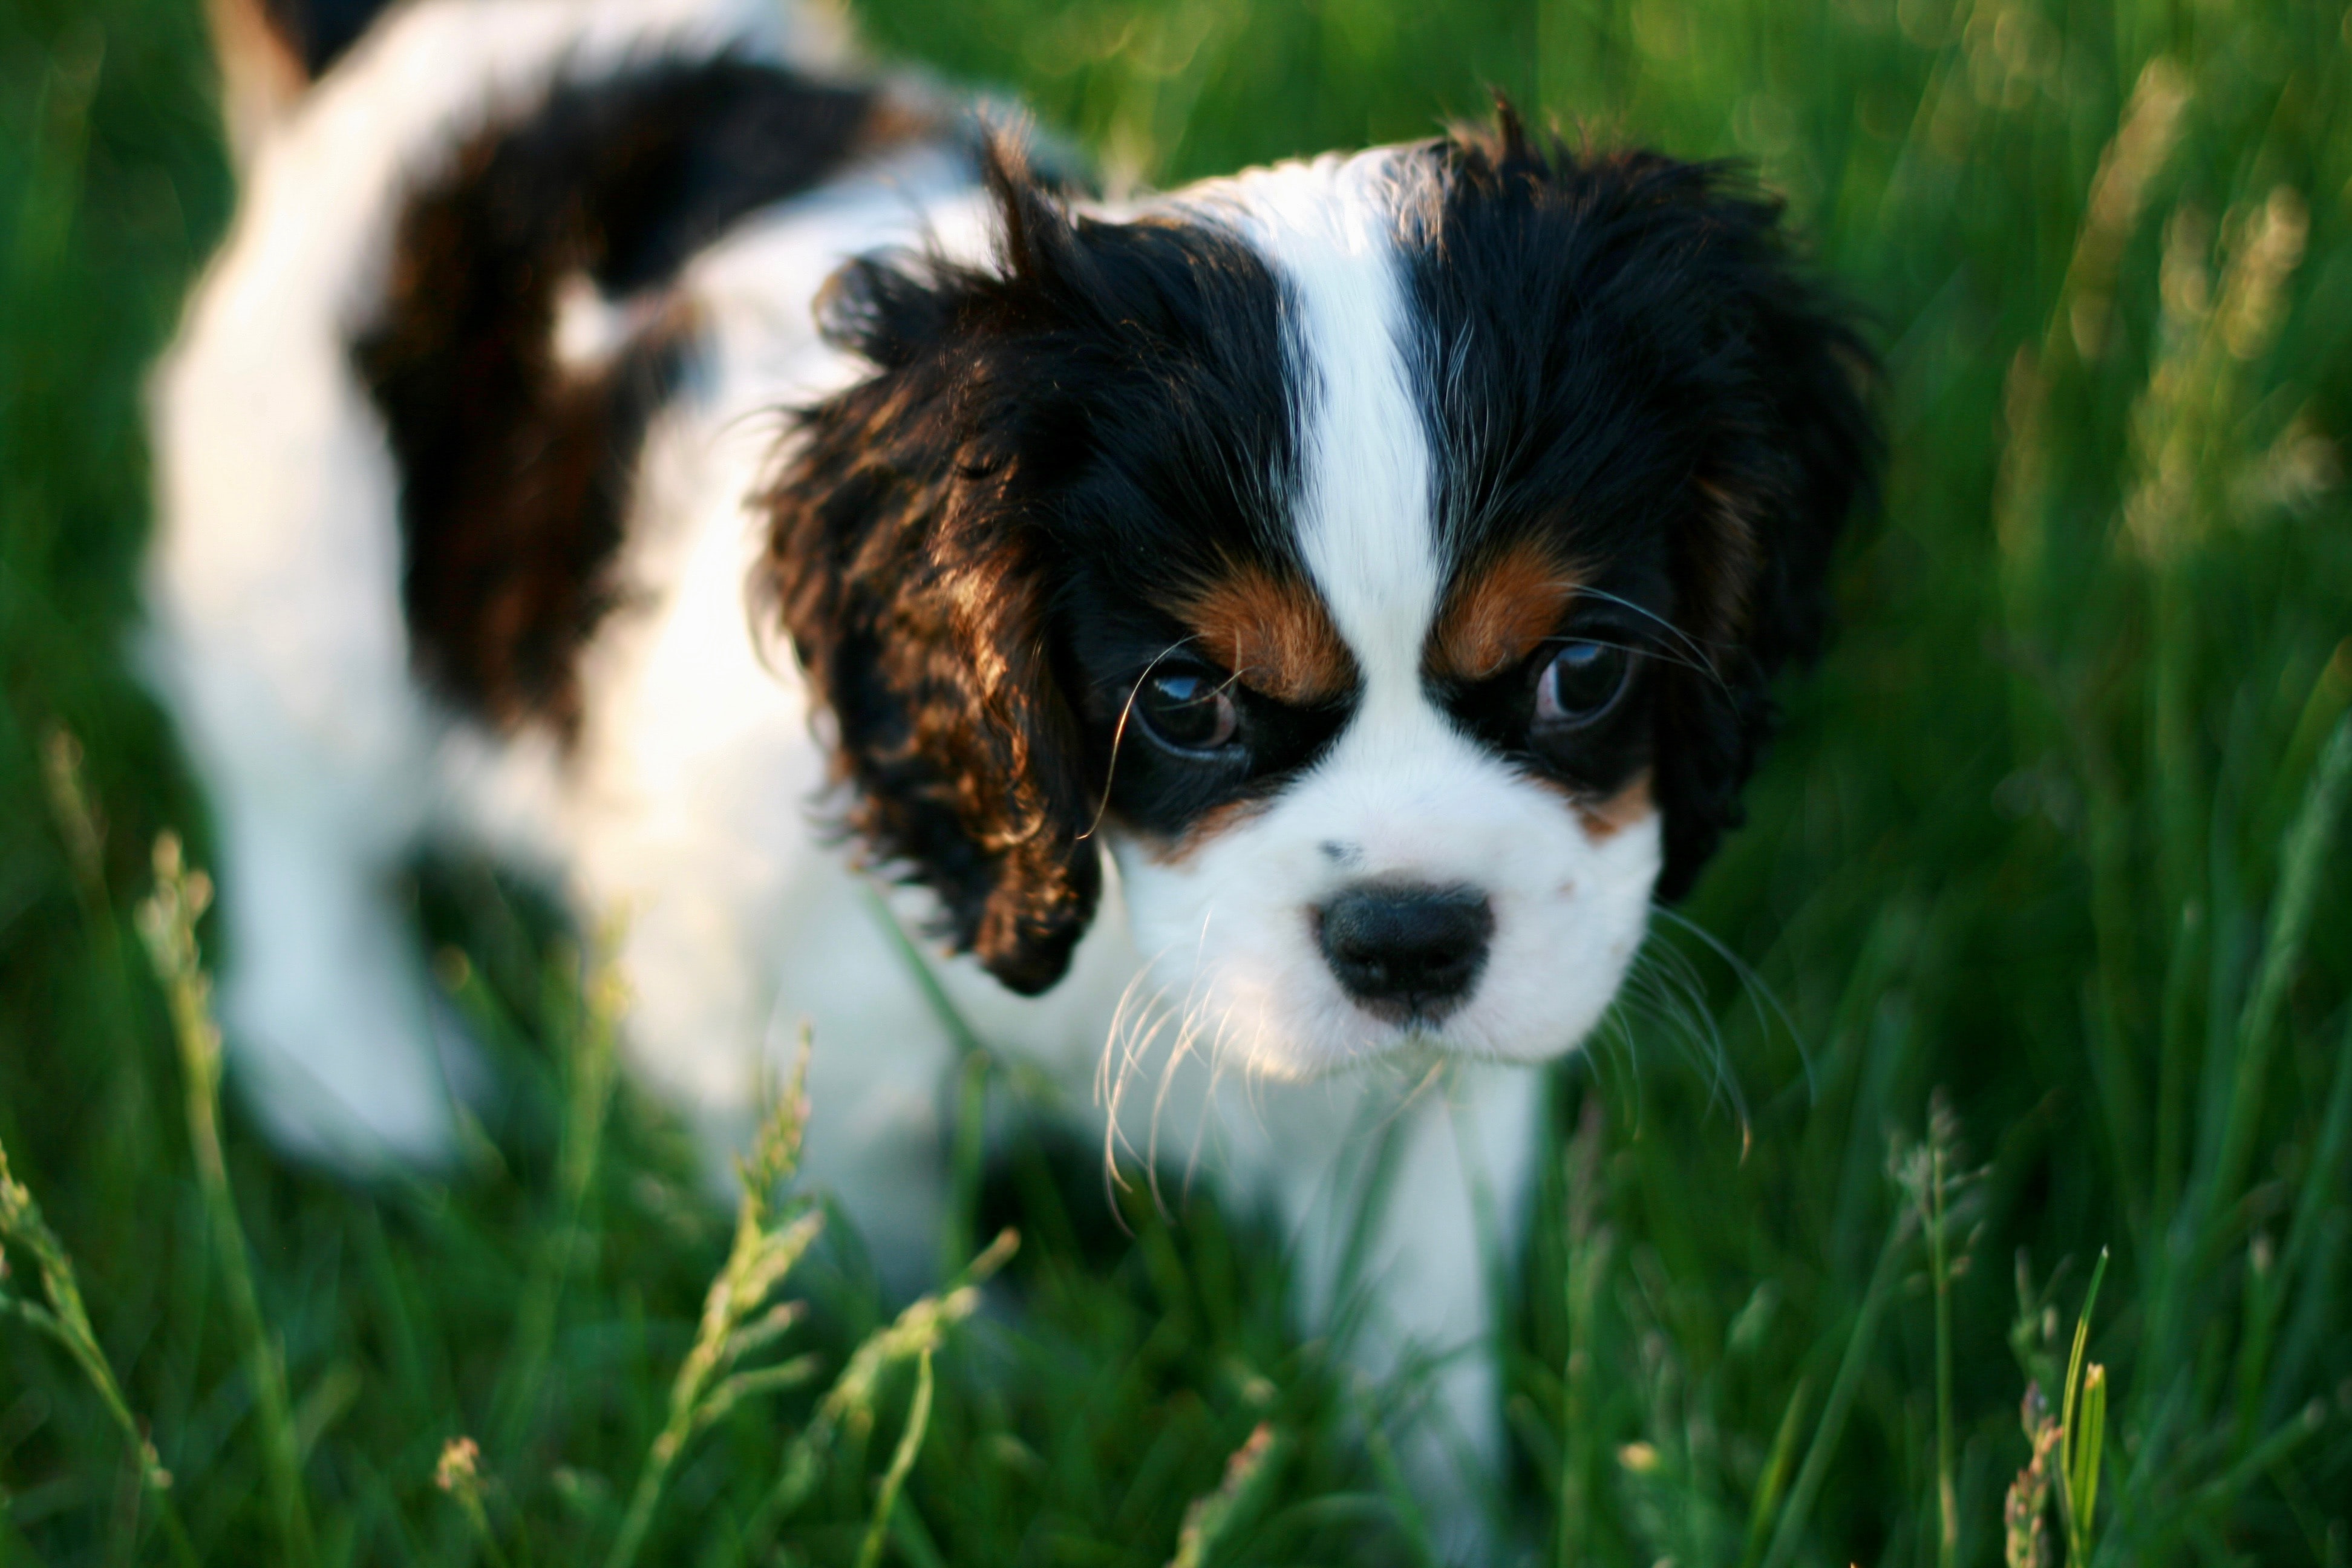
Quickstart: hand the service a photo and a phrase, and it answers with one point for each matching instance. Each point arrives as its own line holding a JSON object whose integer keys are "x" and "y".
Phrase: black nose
{"x": 1406, "y": 950}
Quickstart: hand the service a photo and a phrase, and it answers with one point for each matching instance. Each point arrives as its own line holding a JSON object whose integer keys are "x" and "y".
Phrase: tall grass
{"x": 2044, "y": 949}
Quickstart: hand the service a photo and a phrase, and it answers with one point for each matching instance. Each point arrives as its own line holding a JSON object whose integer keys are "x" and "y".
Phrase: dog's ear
{"x": 1790, "y": 450}
{"x": 1736, "y": 426}
{"x": 908, "y": 563}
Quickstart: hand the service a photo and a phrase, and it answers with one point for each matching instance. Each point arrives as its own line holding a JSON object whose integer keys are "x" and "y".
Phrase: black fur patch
{"x": 515, "y": 470}
{"x": 982, "y": 548}
{"x": 1620, "y": 361}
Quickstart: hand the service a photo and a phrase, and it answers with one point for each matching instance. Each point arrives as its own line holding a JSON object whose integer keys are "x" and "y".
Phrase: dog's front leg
{"x": 1405, "y": 1233}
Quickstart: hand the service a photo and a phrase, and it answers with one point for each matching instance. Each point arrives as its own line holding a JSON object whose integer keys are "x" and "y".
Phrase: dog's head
{"x": 1384, "y": 557}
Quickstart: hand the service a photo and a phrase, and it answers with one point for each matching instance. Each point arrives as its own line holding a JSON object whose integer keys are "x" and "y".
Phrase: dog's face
{"x": 1384, "y": 557}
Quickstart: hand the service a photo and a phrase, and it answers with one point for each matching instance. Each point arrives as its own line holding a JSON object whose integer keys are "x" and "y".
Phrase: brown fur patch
{"x": 517, "y": 468}
{"x": 1274, "y": 635}
{"x": 1605, "y": 819}
{"x": 1725, "y": 571}
{"x": 1500, "y": 611}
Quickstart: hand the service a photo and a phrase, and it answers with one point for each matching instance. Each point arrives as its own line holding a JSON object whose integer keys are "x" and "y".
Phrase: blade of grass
{"x": 1859, "y": 1343}
{"x": 910, "y": 1443}
{"x": 1775, "y": 1478}
{"x": 1947, "y": 1502}
{"x": 2322, "y": 1179}
{"x": 1209, "y": 1517}
{"x": 167, "y": 922}
{"x": 918, "y": 1331}
{"x": 2303, "y": 856}
{"x": 459, "y": 1474}
{"x": 2138, "y": 152}
{"x": 974, "y": 1061}
{"x": 2082, "y": 1478}
{"x": 2067, "y": 1428}
{"x": 1404, "y": 1507}
{"x": 766, "y": 1247}
{"x": 66, "y": 1320}
{"x": 84, "y": 832}
{"x": 1589, "y": 1244}
{"x": 592, "y": 1004}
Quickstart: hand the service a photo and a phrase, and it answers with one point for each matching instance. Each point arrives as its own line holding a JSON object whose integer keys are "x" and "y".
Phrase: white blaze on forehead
{"x": 1364, "y": 526}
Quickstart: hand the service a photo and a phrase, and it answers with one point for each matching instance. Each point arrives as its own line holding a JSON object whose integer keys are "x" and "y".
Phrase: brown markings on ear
{"x": 1605, "y": 819}
{"x": 1723, "y": 565}
{"x": 1275, "y": 635}
{"x": 1499, "y": 611}
{"x": 1202, "y": 831}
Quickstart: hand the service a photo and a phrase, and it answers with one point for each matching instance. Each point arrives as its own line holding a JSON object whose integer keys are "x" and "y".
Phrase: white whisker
{"x": 1698, "y": 650}
{"x": 1760, "y": 996}
{"x": 1119, "y": 736}
{"x": 1137, "y": 1045}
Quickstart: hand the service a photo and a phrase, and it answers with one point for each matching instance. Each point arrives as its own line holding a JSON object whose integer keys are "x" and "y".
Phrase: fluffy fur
{"x": 1277, "y": 637}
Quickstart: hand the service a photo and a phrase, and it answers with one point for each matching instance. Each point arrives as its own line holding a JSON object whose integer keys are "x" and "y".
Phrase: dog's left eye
{"x": 1187, "y": 711}
{"x": 1581, "y": 684}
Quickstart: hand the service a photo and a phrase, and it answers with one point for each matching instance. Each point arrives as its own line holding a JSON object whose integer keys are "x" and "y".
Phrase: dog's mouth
{"x": 1416, "y": 1018}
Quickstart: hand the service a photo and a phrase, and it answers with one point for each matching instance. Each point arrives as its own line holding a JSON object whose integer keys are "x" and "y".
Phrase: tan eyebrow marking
{"x": 1274, "y": 635}
{"x": 1500, "y": 611}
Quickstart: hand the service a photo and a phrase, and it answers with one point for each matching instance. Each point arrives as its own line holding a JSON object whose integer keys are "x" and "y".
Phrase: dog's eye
{"x": 1187, "y": 710}
{"x": 1581, "y": 683}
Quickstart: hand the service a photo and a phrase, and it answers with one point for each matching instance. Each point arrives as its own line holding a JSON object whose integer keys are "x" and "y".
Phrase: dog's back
{"x": 405, "y": 445}
{"x": 459, "y": 457}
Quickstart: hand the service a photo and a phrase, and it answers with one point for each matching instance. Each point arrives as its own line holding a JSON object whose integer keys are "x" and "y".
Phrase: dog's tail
{"x": 271, "y": 51}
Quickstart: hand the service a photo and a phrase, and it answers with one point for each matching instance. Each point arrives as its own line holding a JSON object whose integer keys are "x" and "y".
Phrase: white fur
{"x": 684, "y": 814}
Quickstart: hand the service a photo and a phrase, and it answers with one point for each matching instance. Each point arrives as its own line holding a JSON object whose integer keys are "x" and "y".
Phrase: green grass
{"x": 2038, "y": 943}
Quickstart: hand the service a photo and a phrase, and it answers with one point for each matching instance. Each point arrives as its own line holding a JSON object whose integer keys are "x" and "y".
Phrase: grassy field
{"x": 2037, "y": 947}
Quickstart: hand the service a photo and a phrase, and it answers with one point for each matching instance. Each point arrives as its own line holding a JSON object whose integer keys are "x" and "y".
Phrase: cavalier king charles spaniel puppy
{"x": 1270, "y": 642}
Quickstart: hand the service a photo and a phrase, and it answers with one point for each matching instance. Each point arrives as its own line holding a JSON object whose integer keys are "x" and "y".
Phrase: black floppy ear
{"x": 907, "y": 562}
{"x": 1789, "y": 452}
{"x": 1662, "y": 377}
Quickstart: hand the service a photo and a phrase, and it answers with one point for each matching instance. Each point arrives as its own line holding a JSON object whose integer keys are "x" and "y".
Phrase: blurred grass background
{"x": 2038, "y": 942}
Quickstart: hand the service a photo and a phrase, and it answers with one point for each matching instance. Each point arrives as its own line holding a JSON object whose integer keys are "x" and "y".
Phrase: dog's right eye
{"x": 1186, "y": 710}
{"x": 1580, "y": 685}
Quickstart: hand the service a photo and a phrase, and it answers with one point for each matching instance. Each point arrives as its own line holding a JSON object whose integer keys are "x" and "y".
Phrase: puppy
{"x": 1275, "y": 637}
